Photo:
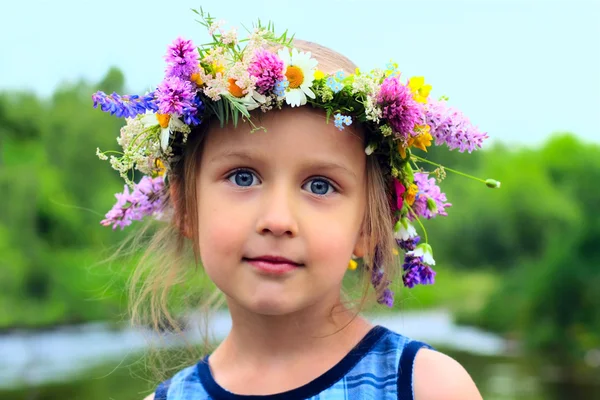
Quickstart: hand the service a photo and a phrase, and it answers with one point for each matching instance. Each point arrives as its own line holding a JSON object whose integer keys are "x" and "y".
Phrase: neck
{"x": 266, "y": 339}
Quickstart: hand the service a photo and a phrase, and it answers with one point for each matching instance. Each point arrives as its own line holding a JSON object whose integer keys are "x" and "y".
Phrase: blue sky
{"x": 520, "y": 70}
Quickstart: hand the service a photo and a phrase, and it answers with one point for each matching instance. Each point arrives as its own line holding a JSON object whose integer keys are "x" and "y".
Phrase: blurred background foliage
{"x": 522, "y": 261}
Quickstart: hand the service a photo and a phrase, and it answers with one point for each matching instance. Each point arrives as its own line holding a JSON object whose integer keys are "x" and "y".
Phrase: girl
{"x": 275, "y": 215}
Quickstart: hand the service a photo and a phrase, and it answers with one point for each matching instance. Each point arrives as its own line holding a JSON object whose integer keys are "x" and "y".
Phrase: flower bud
{"x": 370, "y": 148}
{"x": 431, "y": 205}
{"x": 492, "y": 183}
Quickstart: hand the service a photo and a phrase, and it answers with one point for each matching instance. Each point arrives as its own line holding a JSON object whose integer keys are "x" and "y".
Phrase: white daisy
{"x": 299, "y": 70}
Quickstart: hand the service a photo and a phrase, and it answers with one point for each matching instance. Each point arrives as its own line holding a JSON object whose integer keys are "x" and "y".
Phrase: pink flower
{"x": 400, "y": 189}
{"x": 267, "y": 68}
{"x": 398, "y": 106}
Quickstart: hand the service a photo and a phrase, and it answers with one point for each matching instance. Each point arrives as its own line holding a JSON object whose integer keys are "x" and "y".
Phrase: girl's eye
{"x": 319, "y": 186}
{"x": 243, "y": 178}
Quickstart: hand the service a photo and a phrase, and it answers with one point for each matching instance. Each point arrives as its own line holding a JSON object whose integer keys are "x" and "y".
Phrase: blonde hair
{"x": 172, "y": 253}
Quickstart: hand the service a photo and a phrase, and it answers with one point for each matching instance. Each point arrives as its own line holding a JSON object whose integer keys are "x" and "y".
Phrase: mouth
{"x": 272, "y": 265}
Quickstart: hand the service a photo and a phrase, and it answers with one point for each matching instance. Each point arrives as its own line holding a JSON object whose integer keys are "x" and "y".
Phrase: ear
{"x": 360, "y": 246}
{"x": 180, "y": 218}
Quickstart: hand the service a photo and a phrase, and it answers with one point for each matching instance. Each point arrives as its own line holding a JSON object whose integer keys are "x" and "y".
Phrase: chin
{"x": 271, "y": 305}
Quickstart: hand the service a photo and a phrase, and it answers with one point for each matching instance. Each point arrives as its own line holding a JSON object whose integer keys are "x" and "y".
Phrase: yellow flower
{"x": 402, "y": 148}
{"x": 319, "y": 74}
{"x": 196, "y": 78}
{"x": 419, "y": 89}
{"x": 352, "y": 265}
{"x": 395, "y": 252}
{"x": 423, "y": 140}
{"x": 163, "y": 119}
{"x": 411, "y": 194}
{"x": 160, "y": 167}
{"x": 234, "y": 89}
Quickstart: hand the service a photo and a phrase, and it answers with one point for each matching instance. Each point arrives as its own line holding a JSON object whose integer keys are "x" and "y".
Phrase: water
{"x": 94, "y": 361}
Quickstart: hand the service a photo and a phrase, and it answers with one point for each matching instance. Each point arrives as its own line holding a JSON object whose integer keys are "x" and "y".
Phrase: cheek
{"x": 220, "y": 230}
{"x": 332, "y": 242}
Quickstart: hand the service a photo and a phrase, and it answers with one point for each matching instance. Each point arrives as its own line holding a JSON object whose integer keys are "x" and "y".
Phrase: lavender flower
{"x": 175, "y": 95}
{"x": 182, "y": 59}
{"x": 429, "y": 201}
{"x": 399, "y": 107}
{"x": 146, "y": 199}
{"x": 452, "y": 127}
{"x": 127, "y": 106}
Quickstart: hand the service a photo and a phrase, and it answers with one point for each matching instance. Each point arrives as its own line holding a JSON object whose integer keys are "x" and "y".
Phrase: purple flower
{"x": 174, "y": 95}
{"x": 192, "y": 115}
{"x": 267, "y": 68}
{"x": 387, "y": 296}
{"x": 416, "y": 272}
{"x": 398, "y": 106}
{"x": 429, "y": 201}
{"x": 127, "y": 106}
{"x": 146, "y": 199}
{"x": 182, "y": 59}
{"x": 409, "y": 244}
{"x": 451, "y": 127}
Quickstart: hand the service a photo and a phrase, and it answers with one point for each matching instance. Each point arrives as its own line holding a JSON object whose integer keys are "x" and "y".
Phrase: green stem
{"x": 449, "y": 169}
{"x": 419, "y": 222}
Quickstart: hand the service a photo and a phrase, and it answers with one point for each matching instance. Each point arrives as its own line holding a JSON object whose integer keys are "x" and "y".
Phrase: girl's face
{"x": 295, "y": 192}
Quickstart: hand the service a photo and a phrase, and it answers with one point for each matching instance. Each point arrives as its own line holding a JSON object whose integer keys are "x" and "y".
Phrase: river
{"x": 94, "y": 361}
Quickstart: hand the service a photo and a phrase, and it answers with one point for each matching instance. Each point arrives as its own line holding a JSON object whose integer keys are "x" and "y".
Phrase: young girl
{"x": 242, "y": 161}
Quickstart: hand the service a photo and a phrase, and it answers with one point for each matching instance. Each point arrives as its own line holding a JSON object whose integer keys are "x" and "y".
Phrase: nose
{"x": 278, "y": 212}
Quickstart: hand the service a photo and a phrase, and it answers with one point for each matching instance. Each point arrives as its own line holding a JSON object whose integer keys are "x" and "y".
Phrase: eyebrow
{"x": 316, "y": 164}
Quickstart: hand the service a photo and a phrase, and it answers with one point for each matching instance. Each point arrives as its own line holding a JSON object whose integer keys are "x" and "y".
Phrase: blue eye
{"x": 319, "y": 186}
{"x": 243, "y": 178}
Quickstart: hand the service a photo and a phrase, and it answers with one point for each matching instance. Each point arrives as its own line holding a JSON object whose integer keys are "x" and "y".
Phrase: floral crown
{"x": 230, "y": 77}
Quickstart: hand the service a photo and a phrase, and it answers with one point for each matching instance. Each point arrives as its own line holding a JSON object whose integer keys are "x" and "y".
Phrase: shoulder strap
{"x": 405, "y": 369}
{"x": 161, "y": 390}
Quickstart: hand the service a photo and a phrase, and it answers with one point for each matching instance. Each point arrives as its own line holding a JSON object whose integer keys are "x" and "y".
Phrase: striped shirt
{"x": 379, "y": 367}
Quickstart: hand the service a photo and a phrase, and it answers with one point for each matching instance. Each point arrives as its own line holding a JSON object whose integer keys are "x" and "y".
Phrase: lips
{"x": 273, "y": 265}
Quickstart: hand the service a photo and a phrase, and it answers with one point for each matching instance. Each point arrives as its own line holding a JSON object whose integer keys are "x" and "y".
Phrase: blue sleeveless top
{"x": 379, "y": 367}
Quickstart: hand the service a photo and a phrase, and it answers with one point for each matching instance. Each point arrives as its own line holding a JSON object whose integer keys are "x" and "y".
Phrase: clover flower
{"x": 145, "y": 199}
{"x": 182, "y": 59}
{"x": 399, "y": 107}
{"x": 451, "y": 127}
{"x": 127, "y": 106}
{"x": 267, "y": 68}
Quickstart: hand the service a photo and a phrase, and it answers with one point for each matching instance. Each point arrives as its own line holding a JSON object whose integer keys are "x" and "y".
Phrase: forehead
{"x": 293, "y": 132}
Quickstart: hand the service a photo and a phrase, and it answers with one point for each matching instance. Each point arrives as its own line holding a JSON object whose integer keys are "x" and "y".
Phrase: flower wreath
{"x": 229, "y": 77}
